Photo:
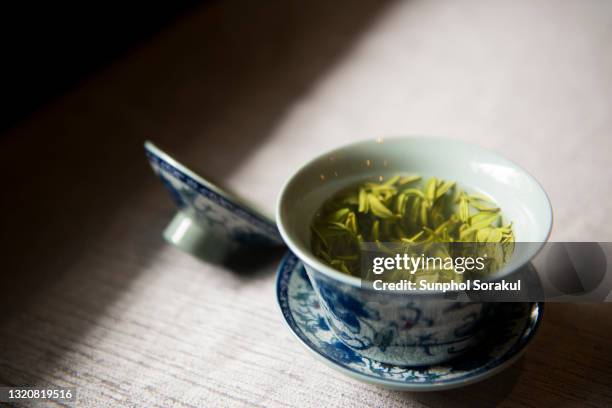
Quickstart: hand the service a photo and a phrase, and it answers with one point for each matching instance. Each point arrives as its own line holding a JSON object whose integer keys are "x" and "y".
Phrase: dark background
{"x": 48, "y": 48}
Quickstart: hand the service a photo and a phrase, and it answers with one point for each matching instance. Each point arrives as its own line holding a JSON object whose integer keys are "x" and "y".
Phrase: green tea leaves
{"x": 378, "y": 208}
{"x": 483, "y": 207}
{"x": 340, "y": 215}
{"x": 464, "y": 209}
{"x": 363, "y": 201}
{"x": 430, "y": 189}
{"x": 408, "y": 179}
{"x": 391, "y": 181}
{"x": 408, "y": 210}
{"x": 444, "y": 187}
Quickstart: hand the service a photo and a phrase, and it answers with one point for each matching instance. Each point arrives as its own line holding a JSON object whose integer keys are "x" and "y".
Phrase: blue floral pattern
{"x": 213, "y": 210}
{"x": 509, "y": 329}
{"x": 395, "y": 328}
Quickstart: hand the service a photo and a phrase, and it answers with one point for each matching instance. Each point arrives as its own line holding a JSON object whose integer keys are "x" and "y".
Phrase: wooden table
{"x": 94, "y": 298}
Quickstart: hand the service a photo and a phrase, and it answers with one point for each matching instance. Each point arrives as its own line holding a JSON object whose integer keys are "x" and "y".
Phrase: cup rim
{"x": 223, "y": 192}
{"x": 306, "y": 256}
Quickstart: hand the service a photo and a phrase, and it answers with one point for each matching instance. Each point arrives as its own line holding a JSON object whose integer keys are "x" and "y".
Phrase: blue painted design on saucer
{"x": 512, "y": 328}
{"x": 209, "y": 206}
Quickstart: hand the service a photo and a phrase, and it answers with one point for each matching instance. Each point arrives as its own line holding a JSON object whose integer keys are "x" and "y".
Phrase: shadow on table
{"x": 567, "y": 364}
{"x": 83, "y": 214}
{"x": 246, "y": 262}
{"x": 570, "y": 358}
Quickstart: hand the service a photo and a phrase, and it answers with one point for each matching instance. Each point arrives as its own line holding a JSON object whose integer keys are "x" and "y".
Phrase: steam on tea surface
{"x": 432, "y": 215}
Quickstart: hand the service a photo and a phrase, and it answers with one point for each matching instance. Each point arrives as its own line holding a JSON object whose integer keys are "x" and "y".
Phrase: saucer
{"x": 513, "y": 327}
{"x": 207, "y": 213}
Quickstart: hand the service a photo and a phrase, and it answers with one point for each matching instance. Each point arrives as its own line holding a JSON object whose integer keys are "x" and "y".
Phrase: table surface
{"x": 94, "y": 298}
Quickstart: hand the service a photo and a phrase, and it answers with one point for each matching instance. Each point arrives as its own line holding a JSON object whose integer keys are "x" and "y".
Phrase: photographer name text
{"x": 452, "y": 286}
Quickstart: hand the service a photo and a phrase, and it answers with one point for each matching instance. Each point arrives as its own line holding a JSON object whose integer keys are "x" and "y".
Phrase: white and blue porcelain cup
{"x": 210, "y": 222}
{"x": 397, "y": 327}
